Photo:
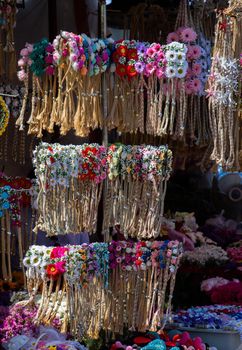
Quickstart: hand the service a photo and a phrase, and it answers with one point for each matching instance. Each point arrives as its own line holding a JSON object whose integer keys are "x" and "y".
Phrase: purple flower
{"x": 141, "y": 48}
{"x": 139, "y": 67}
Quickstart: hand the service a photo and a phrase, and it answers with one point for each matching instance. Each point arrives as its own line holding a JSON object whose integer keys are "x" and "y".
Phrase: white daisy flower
{"x": 171, "y": 72}
{"x": 27, "y": 261}
{"x": 181, "y": 56}
{"x": 171, "y": 56}
{"x": 181, "y": 72}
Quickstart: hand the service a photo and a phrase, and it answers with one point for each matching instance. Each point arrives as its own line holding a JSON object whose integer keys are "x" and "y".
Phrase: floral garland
{"x": 78, "y": 173}
{"x": 122, "y": 273}
{"x": 75, "y": 174}
{"x": 4, "y": 116}
{"x": 16, "y": 225}
{"x": 224, "y": 90}
{"x": 77, "y": 62}
{"x": 136, "y": 187}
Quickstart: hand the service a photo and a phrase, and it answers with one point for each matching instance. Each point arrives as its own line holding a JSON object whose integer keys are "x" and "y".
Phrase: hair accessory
{"x": 131, "y": 282}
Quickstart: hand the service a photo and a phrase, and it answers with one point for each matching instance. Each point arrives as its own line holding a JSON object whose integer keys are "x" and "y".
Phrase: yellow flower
{"x": 52, "y": 347}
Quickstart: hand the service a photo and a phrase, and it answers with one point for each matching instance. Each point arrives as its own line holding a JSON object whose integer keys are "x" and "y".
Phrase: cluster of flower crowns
{"x": 14, "y": 192}
{"x": 181, "y": 57}
{"x": 94, "y": 162}
{"x": 81, "y": 263}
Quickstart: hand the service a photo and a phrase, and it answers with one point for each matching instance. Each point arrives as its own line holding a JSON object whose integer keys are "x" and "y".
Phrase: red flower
{"x": 132, "y": 54}
{"x": 138, "y": 262}
{"x": 122, "y": 50}
{"x": 52, "y": 160}
{"x": 50, "y": 149}
{"x": 121, "y": 70}
{"x": 52, "y": 270}
{"x": 131, "y": 71}
{"x": 115, "y": 57}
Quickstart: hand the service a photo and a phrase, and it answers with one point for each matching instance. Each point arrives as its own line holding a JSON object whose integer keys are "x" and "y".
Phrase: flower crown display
{"x": 67, "y": 84}
{"x": 16, "y": 225}
{"x": 136, "y": 188}
{"x": 71, "y": 178}
{"x": 131, "y": 281}
{"x": 8, "y": 12}
{"x": 224, "y": 89}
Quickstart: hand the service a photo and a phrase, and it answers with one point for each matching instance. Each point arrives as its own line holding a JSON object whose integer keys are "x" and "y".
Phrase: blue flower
{"x": 6, "y": 205}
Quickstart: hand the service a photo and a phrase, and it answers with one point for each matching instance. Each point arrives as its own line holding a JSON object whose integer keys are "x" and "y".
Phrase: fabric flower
{"x": 172, "y": 37}
{"x": 188, "y": 35}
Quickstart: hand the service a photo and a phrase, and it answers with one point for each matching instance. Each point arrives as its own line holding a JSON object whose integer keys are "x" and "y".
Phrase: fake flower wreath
{"x": 120, "y": 273}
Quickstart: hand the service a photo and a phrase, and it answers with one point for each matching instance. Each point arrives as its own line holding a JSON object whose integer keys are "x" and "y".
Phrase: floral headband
{"x": 123, "y": 274}
{"x": 78, "y": 173}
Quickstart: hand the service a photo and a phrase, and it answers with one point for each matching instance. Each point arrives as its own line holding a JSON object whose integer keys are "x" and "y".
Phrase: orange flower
{"x": 83, "y": 70}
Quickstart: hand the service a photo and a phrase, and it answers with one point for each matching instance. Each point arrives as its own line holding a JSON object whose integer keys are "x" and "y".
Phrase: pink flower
{"x": 188, "y": 35}
{"x": 149, "y": 69}
{"x": 50, "y": 70}
{"x": 22, "y": 75}
{"x": 172, "y": 37}
{"x": 209, "y": 284}
{"x": 49, "y": 59}
{"x": 65, "y": 52}
{"x": 21, "y": 62}
{"x": 196, "y": 51}
{"x": 188, "y": 87}
{"x": 196, "y": 69}
{"x": 60, "y": 265}
{"x": 24, "y": 52}
{"x": 58, "y": 252}
{"x": 150, "y": 51}
{"x": 190, "y": 55}
{"x": 105, "y": 56}
{"x": 196, "y": 85}
{"x": 189, "y": 73}
{"x": 29, "y": 47}
{"x": 157, "y": 47}
{"x": 169, "y": 253}
{"x": 179, "y": 31}
{"x": 56, "y": 56}
{"x": 160, "y": 73}
{"x": 73, "y": 57}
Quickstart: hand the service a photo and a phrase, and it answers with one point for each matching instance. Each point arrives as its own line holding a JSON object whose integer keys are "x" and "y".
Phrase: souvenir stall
{"x": 120, "y": 187}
